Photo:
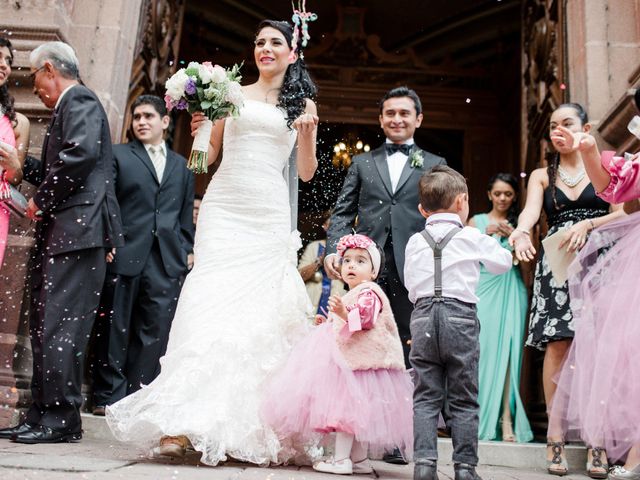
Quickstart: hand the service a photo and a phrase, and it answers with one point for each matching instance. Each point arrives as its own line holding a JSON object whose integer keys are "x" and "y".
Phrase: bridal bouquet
{"x": 203, "y": 87}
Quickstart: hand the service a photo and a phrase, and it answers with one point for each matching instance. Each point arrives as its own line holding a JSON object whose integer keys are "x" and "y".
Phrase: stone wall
{"x": 103, "y": 33}
{"x": 603, "y": 49}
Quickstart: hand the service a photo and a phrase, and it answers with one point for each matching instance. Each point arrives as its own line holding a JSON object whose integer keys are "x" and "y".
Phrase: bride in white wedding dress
{"x": 244, "y": 301}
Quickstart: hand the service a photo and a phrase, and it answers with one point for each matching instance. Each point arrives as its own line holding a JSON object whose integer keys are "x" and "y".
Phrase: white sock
{"x": 359, "y": 451}
{"x": 344, "y": 442}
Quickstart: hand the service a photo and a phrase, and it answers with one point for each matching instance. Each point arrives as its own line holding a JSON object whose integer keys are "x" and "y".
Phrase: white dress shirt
{"x": 158, "y": 156}
{"x": 461, "y": 259}
{"x": 63, "y": 93}
{"x": 396, "y": 163}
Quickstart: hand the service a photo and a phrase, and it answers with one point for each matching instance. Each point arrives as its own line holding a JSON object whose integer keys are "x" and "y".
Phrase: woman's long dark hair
{"x": 297, "y": 85}
{"x": 553, "y": 158}
{"x": 6, "y": 100}
{"x": 514, "y": 211}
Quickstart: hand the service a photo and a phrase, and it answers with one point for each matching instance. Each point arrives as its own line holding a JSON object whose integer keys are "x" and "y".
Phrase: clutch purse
{"x": 12, "y": 199}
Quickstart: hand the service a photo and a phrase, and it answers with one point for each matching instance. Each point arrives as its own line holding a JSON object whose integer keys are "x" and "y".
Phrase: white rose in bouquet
{"x": 219, "y": 74}
{"x": 175, "y": 85}
{"x": 206, "y": 72}
{"x": 234, "y": 94}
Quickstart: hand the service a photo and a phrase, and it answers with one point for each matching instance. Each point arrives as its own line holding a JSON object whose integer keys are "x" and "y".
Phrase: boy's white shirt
{"x": 461, "y": 260}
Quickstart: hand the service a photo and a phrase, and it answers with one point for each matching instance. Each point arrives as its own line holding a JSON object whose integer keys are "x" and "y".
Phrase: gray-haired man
{"x": 78, "y": 220}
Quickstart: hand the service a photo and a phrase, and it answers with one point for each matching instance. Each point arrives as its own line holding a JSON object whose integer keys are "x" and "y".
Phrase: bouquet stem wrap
{"x": 199, "y": 158}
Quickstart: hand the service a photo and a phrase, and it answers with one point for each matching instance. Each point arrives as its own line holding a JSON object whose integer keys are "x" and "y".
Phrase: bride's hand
{"x": 306, "y": 123}
{"x": 197, "y": 119}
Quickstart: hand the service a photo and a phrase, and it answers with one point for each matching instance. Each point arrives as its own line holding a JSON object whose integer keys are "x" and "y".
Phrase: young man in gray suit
{"x": 155, "y": 190}
{"x": 381, "y": 192}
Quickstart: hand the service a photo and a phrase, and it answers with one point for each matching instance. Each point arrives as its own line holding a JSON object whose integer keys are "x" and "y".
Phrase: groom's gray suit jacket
{"x": 368, "y": 197}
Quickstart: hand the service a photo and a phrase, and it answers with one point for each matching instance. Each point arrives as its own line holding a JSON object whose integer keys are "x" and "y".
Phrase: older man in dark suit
{"x": 155, "y": 190}
{"x": 78, "y": 220}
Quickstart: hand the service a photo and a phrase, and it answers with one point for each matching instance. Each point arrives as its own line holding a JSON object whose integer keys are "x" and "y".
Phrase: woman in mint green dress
{"x": 502, "y": 311}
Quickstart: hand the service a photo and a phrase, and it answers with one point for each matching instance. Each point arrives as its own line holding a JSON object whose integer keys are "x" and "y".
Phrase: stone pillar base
{"x": 15, "y": 347}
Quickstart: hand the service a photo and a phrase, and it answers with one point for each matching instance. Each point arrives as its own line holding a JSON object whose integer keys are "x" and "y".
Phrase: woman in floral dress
{"x": 569, "y": 201}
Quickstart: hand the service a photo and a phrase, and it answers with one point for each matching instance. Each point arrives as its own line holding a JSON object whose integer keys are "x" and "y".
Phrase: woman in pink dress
{"x": 598, "y": 394}
{"x": 14, "y": 130}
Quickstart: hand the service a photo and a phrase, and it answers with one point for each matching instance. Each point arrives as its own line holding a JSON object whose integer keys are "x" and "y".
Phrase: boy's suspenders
{"x": 437, "y": 248}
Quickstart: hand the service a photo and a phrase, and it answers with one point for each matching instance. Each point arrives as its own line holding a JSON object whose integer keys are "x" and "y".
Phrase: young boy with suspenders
{"x": 441, "y": 273}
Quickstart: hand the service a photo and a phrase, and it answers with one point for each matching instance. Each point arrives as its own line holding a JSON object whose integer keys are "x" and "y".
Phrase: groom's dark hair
{"x": 402, "y": 92}
{"x": 156, "y": 102}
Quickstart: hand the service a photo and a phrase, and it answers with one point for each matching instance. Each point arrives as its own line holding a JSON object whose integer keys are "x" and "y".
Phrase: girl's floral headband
{"x": 360, "y": 241}
{"x": 300, "y": 19}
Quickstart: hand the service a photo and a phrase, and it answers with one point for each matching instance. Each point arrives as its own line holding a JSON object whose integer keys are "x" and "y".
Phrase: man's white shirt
{"x": 461, "y": 260}
{"x": 396, "y": 163}
{"x": 158, "y": 156}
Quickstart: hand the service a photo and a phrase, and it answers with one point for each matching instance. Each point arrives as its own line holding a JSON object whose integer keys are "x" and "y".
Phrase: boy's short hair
{"x": 439, "y": 187}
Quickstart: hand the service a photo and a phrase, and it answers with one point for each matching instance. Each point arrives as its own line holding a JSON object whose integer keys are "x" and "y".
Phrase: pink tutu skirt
{"x": 315, "y": 392}
{"x": 598, "y": 395}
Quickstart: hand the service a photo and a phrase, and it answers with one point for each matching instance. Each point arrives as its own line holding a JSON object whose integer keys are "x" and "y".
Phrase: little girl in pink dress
{"x": 598, "y": 395}
{"x": 347, "y": 376}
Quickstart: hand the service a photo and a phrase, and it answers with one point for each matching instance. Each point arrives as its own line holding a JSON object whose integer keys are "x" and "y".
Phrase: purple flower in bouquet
{"x": 190, "y": 86}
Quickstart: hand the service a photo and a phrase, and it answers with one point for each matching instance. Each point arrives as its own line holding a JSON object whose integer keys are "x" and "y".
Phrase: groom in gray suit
{"x": 381, "y": 191}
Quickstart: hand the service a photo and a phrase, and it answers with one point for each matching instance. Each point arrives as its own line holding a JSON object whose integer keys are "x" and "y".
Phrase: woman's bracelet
{"x": 523, "y": 231}
{"x": 593, "y": 225}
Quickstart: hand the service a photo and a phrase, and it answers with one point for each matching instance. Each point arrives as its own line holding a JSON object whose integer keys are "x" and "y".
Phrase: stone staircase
{"x": 530, "y": 456}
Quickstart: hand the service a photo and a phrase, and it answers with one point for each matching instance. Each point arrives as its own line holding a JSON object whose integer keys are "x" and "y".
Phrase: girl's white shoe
{"x": 331, "y": 465}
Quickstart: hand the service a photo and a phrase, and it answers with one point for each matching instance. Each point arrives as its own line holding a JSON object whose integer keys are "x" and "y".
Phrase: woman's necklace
{"x": 568, "y": 180}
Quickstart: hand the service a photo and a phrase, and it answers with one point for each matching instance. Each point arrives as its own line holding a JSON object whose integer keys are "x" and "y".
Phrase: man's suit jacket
{"x": 153, "y": 210}
{"x": 367, "y": 195}
{"x": 75, "y": 178}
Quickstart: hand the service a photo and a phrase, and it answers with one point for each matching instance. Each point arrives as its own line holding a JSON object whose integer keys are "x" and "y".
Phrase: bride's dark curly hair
{"x": 6, "y": 100}
{"x": 297, "y": 85}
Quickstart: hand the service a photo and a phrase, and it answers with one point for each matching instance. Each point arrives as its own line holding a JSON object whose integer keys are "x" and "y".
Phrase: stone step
{"x": 530, "y": 456}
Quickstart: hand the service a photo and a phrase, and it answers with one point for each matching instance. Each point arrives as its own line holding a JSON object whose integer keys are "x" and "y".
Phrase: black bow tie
{"x": 398, "y": 147}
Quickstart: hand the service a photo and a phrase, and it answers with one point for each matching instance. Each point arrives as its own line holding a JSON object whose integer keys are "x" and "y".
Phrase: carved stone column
{"x": 604, "y": 52}
{"x": 544, "y": 87}
{"x": 15, "y": 347}
{"x": 156, "y": 50}
{"x": 103, "y": 34}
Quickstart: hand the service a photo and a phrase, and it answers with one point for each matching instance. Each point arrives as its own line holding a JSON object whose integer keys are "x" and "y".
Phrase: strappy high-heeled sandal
{"x": 558, "y": 464}
{"x": 507, "y": 431}
{"x": 596, "y": 468}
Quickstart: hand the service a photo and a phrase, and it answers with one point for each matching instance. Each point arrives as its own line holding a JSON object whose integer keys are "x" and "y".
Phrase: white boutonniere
{"x": 416, "y": 160}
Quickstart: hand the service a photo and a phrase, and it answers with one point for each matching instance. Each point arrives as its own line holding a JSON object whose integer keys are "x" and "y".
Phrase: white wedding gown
{"x": 241, "y": 307}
